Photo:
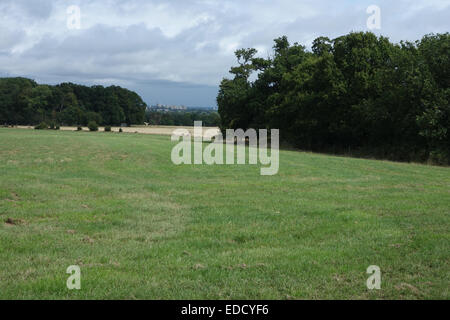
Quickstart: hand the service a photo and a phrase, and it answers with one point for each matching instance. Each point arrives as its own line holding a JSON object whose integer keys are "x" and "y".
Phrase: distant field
{"x": 142, "y": 228}
{"x": 160, "y": 130}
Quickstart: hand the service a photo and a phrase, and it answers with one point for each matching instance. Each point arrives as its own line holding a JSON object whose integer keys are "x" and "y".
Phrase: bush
{"x": 93, "y": 126}
{"x": 53, "y": 126}
{"x": 120, "y": 130}
{"x": 41, "y": 126}
{"x": 108, "y": 129}
{"x": 79, "y": 128}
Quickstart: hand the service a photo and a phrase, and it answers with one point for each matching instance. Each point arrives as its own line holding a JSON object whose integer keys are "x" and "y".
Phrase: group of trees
{"x": 183, "y": 118}
{"x": 358, "y": 93}
{"x": 24, "y": 102}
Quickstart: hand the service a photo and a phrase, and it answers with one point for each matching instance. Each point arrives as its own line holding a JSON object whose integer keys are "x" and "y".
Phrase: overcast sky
{"x": 177, "y": 51}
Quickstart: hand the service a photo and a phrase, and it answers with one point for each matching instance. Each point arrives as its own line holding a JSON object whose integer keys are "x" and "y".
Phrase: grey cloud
{"x": 139, "y": 54}
{"x": 36, "y": 9}
{"x": 9, "y": 38}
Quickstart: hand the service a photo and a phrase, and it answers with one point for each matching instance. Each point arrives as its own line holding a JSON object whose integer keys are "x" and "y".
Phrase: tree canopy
{"x": 358, "y": 92}
{"x": 24, "y": 102}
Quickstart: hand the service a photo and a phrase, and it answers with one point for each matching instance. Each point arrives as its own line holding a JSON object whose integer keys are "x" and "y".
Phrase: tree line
{"x": 24, "y": 102}
{"x": 358, "y": 93}
{"x": 182, "y": 118}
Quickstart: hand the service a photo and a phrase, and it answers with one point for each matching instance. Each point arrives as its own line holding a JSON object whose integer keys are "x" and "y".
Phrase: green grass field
{"x": 142, "y": 228}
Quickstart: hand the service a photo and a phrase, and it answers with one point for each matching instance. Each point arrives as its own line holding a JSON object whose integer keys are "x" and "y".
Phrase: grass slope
{"x": 140, "y": 227}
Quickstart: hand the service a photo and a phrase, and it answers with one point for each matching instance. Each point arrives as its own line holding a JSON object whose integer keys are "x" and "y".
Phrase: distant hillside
{"x": 173, "y": 117}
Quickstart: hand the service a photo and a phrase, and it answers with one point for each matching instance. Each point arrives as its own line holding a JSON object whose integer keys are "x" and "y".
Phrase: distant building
{"x": 160, "y": 107}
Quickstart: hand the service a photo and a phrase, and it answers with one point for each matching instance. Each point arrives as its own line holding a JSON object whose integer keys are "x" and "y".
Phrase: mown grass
{"x": 142, "y": 228}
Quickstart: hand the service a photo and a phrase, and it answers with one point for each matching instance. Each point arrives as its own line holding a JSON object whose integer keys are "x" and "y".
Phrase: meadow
{"x": 140, "y": 227}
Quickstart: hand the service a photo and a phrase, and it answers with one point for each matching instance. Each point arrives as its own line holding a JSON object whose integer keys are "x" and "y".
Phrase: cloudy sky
{"x": 177, "y": 51}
